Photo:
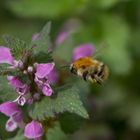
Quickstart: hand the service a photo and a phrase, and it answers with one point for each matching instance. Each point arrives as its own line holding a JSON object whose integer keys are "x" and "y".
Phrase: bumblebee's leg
{"x": 90, "y": 78}
{"x": 98, "y": 79}
{"x": 85, "y": 75}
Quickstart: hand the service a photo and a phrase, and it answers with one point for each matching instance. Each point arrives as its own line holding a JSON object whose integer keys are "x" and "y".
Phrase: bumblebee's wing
{"x": 100, "y": 49}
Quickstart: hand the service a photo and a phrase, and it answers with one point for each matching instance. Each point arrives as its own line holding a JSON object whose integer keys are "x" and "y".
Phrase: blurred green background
{"x": 114, "y": 108}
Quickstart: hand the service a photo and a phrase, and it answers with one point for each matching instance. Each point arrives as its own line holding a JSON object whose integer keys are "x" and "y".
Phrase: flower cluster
{"x": 42, "y": 74}
{"x": 62, "y": 36}
{"x": 41, "y": 77}
{"x": 32, "y": 130}
{"x": 14, "y": 113}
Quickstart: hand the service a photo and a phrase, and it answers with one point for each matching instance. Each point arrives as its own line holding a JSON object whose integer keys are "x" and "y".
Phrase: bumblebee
{"x": 90, "y": 70}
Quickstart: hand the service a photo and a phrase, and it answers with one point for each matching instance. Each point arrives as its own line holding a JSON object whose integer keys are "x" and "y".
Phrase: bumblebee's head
{"x": 73, "y": 69}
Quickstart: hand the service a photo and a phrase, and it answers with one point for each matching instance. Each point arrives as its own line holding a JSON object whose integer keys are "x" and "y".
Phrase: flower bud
{"x": 36, "y": 96}
{"x": 33, "y": 130}
{"x": 20, "y": 64}
{"x": 30, "y": 69}
{"x": 11, "y": 125}
{"x": 24, "y": 72}
{"x": 30, "y": 101}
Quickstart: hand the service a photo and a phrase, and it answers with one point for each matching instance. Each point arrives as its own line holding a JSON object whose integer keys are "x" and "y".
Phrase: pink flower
{"x": 35, "y": 36}
{"x": 8, "y": 108}
{"x": 83, "y": 51}
{"x": 11, "y": 110}
{"x": 20, "y": 87}
{"x": 45, "y": 75}
{"x": 6, "y": 56}
{"x": 62, "y": 36}
{"x": 30, "y": 101}
{"x": 20, "y": 100}
{"x": 14, "y": 121}
{"x": 47, "y": 90}
{"x": 15, "y": 82}
{"x": 42, "y": 70}
{"x": 33, "y": 130}
{"x": 17, "y": 116}
{"x": 39, "y": 81}
{"x": 53, "y": 76}
{"x": 11, "y": 125}
{"x": 36, "y": 96}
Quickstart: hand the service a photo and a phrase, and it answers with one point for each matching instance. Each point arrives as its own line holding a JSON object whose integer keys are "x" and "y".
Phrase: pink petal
{"x": 9, "y": 108}
{"x": 35, "y": 36}
{"x": 38, "y": 81}
{"x": 18, "y": 64}
{"x": 17, "y": 116}
{"x": 83, "y": 51}
{"x": 33, "y": 130}
{"x": 11, "y": 125}
{"x": 36, "y": 96}
{"x": 23, "y": 90}
{"x": 30, "y": 101}
{"x": 15, "y": 82}
{"x": 47, "y": 90}
{"x": 6, "y": 56}
{"x": 62, "y": 36}
{"x": 42, "y": 70}
{"x": 21, "y": 100}
{"x": 53, "y": 76}
{"x": 18, "y": 85}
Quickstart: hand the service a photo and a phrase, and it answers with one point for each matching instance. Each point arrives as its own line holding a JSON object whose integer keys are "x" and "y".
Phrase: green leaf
{"x": 16, "y": 45}
{"x": 70, "y": 122}
{"x": 43, "y": 57}
{"x": 67, "y": 100}
{"x": 4, "y": 70}
{"x": 42, "y": 109}
{"x": 55, "y": 133}
{"x": 19, "y": 136}
{"x": 6, "y": 92}
{"x": 42, "y": 43}
{"x": 4, "y": 135}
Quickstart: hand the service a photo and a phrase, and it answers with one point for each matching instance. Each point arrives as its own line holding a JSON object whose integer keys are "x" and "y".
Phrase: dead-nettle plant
{"x": 32, "y": 102}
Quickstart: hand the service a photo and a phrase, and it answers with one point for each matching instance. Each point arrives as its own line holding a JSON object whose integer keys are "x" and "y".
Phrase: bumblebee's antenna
{"x": 65, "y": 66}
